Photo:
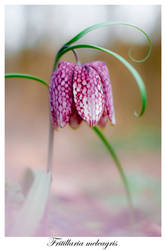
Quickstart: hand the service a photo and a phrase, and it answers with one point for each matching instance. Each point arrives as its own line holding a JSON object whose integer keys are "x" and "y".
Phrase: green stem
{"x": 118, "y": 164}
{"x": 105, "y": 24}
{"x": 17, "y": 75}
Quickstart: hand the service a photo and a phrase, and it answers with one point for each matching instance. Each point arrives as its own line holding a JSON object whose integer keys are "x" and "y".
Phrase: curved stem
{"x": 118, "y": 164}
{"x": 76, "y": 56}
{"x": 18, "y": 75}
{"x": 133, "y": 71}
{"x": 104, "y": 24}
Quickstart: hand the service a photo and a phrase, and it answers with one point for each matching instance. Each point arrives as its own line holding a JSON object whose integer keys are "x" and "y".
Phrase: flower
{"x": 81, "y": 92}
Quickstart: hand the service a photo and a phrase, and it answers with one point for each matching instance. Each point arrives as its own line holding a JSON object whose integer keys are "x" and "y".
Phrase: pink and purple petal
{"x": 75, "y": 119}
{"x": 104, "y": 119}
{"x": 103, "y": 72}
{"x": 88, "y": 94}
{"x": 60, "y": 93}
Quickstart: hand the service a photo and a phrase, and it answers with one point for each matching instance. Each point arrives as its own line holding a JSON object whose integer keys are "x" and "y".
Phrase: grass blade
{"x": 119, "y": 167}
{"x": 104, "y": 24}
{"x": 35, "y": 78}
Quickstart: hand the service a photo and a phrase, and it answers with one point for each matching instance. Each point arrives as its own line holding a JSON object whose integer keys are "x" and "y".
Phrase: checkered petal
{"x": 60, "y": 93}
{"x": 75, "y": 119}
{"x": 102, "y": 70}
{"x": 104, "y": 119}
{"x": 88, "y": 94}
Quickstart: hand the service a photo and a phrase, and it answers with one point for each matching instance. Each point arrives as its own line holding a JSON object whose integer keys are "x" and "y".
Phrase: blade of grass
{"x": 104, "y": 24}
{"x": 35, "y": 78}
{"x": 119, "y": 167}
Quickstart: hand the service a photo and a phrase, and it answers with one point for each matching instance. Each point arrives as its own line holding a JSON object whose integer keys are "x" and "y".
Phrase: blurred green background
{"x": 33, "y": 35}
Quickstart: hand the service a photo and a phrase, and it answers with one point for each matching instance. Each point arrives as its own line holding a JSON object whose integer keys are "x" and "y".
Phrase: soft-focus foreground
{"x": 87, "y": 197}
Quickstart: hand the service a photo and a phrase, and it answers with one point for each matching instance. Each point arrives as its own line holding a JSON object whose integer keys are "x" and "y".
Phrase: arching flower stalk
{"x": 83, "y": 92}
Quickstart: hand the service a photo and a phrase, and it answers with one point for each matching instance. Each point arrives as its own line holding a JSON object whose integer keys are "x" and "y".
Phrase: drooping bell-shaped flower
{"x": 81, "y": 92}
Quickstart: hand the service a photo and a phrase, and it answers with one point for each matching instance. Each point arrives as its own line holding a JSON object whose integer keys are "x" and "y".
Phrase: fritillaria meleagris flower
{"x": 81, "y": 92}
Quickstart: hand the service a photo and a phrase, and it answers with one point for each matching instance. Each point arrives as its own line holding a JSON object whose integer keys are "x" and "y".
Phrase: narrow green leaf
{"x": 119, "y": 167}
{"x": 11, "y": 75}
{"x": 133, "y": 71}
{"x": 104, "y": 24}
